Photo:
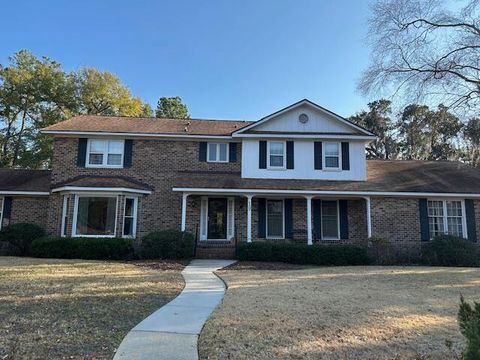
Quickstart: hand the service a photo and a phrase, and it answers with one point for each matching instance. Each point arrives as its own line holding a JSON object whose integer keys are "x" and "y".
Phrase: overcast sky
{"x": 238, "y": 59}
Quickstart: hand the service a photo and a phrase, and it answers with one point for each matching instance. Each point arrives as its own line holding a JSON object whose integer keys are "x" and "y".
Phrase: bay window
{"x": 446, "y": 217}
{"x": 105, "y": 153}
{"x": 276, "y": 155}
{"x": 95, "y": 216}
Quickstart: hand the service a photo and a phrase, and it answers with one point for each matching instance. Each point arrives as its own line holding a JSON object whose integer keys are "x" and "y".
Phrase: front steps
{"x": 215, "y": 250}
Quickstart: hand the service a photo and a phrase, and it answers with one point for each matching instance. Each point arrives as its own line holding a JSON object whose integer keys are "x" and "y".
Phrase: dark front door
{"x": 217, "y": 218}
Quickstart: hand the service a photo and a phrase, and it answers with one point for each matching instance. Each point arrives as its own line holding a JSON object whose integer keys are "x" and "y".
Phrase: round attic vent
{"x": 303, "y": 118}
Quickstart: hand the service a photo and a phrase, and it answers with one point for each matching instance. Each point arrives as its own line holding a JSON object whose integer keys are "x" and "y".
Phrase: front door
{"x": 217, "y": 218}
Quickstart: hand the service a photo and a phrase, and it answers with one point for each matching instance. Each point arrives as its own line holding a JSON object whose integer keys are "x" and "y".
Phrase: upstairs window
{"x": 217, "y": 152}
{"x": 105, "y": 153}
{"x": 446, "y": 217}
{"x": 331, "y": 155}
{"x": 276, "y": 154}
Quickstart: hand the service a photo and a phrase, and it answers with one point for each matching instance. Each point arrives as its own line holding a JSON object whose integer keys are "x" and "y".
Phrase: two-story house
{"x": 299, "y": 174}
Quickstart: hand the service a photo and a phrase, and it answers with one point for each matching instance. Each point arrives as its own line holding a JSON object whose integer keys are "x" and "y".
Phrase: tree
{"x": 471, "y": 138}
{"x": 425, "y": 51}
{"x": 171, "y": 107}
{"x": 102, "y": 93}
{"x": 378, "y": 121}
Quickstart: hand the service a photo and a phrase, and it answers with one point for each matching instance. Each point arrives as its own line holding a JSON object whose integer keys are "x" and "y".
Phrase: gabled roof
{"x": 358, "y": 130}
{"x": 24, "y": 182}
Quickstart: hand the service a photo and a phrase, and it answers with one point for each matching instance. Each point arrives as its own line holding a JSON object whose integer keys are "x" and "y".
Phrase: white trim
{"x": 249, "y": 218}
{"x": 324, "y": 160}
{"x": 134, "y": 216}
{"x": 75, "y": 216}
{"x": 184, "y": 211}
{"x": 130, "y": 135}
{"x": 309, "y": 221}
{"x": 300, "y": 103}
{"x": 284, "y": 166}
{"x": 105, "y": 154}
{"x": 100, "y": 189}
{"x": 63, "y": 229}
{"x": 338, "y": 221}
{"x": 1, "y": 211}
{"x": 32, "y": 193}
{"x": 369, "y": 216}
{"x": 325, "y": 192}
{"x": 266, "y": 220}
{"x": 306, "y": 136}
{"x": 217, "y": 151}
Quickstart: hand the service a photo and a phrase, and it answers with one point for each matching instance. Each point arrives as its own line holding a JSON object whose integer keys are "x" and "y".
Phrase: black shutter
{"x": 470, "y": 214}
{"x": 82, "y": 152}
{"x": 232, "y": 152}
{"x": 424, "y": 227}
{"x": 127, "y": 155}
{"x": 318, "y": 155}
{"x": 343, "y": 204}
{"x": 202, "y": 151}
{"x": 288, "y": 219}
{"x": 345, "y": 156}
{"x": 290, "y": 155}
{"x": 317, "y": 218}
{"x": 7, "y": 207}
{"x": 262, "y": 224}
{"x": 262, "y": 155}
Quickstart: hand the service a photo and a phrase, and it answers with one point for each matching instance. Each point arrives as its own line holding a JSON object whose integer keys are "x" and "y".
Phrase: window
{"x": 95, "y": 216}
{"x": 330, "y": 220}
{"x": 1, "y": 211}
{"x": 275, "y": 219}
{"x": 276, "y": 154}
{"x": 331, "y": 155}
{"x": 66, "y": 202}
{"x": 446, "y": 217}
{"x": 217, "y": 152}
{"x": 105, "y": 153}
{"x": 130, "y": 217}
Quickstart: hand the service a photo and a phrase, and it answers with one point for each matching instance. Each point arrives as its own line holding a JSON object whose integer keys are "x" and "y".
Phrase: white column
{"x": 249, "y": 218}
{"x": 369, "y": 217}
{"x": 184, "y": 211}
{"x": 309, "y": 220}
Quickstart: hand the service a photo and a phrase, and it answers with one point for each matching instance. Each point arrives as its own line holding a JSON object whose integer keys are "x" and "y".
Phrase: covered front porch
{"x": 222, "y": 218}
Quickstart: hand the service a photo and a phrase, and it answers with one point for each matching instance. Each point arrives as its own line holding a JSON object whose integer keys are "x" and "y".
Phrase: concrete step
{"x": 215, "y": 252}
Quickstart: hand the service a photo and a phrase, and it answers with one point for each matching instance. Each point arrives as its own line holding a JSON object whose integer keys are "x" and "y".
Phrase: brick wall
{"x": 28, "y": 209}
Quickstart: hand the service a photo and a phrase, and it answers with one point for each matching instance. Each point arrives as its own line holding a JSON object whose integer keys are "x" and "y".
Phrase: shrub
{"x": 304, "y": 254}
{"x": 167, "y": 244}
{"x": 83, "y": 248}
{"x": 469, "y": 322}
{"x": 448, "y": 250}
{"x": 7, "y": 249}
{"x": 21, "y": 235}
{"x": 380, "y": 250}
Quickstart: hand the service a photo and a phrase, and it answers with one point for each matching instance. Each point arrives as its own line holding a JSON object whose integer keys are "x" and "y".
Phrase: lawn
{"x": 339, "y": 313}
{"x": 75, "y": 309}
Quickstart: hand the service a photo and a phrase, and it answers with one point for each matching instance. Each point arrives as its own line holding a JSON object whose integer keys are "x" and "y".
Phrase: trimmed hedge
{"x": 82, "y": 248}
{"x": 167, "y": 244}
{"x": 304, "y": 254}
{"x": 20, "y": 236}
{"x": 448, "y": 250}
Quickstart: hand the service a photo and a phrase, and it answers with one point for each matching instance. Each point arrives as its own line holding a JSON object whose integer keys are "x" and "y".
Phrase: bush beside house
{"x": 448, "y": 250}
{"x": 167, "y": 244}
{"x": 16, "y": 239}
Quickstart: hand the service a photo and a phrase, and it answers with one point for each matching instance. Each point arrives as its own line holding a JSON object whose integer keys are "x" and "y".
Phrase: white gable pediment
{"x": 319, "y": 121}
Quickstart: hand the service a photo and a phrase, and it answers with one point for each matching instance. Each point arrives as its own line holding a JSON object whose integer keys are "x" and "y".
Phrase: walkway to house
{"x": 172, "y": 331}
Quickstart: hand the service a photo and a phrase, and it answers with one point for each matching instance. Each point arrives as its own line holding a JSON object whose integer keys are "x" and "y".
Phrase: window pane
{"x": 97, "y": 146}
{"x": 223, "y": 152}
{"x": 329, "y": 219}
{"x": 276, "y": 148}
{"x": 276, "y": 160}
{"x": 212, "y": 152}
{"x": 275, "y": 218}
{"x": 331, "y": 149}
{"x": 435, "y": 208}
{"x": 454, "y": 208}
{"x": 128, "y": 226}
{"x": 115, "y": 147}
{"x": 455, "y": 226}
{"x": 129, "y": 206}
{"x": 114, "y": 159}
{"x": 96, "y": 216}
{"x": 331, "y": 162}
{"x": 95, "y": 159}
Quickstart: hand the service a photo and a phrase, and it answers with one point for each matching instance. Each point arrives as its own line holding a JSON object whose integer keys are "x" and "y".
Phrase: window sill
{"x": 104, "y": 166}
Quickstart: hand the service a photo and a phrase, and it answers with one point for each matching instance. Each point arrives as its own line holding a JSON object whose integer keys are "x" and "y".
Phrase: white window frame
{"x": 338, "y": 221}
{"x": 284, "y": 166}
{"x": 283, "y": 220}
{"x": 104, "y": 163}
{"x": 75, "y": 214}
{"x": 217, "y": 152}
{"x": 133, "y": 217}
{"x": 324, "y": 156}
{"x": 1, "y": 211}
{"x": 63, "y": 229}
{"x": 445, "y": 215}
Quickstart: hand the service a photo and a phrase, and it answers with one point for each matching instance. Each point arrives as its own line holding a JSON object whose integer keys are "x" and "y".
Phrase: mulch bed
{"x": 164, "y": 265}
{"x": 259, "y": 265}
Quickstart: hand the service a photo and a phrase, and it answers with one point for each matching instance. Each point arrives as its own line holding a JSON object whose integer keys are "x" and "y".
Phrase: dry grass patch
{"x": 339, "y": 313}
{"x": 76, "y": 309}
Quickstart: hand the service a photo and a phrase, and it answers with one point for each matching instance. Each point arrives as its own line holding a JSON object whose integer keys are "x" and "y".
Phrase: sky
{"x": 239, "y": 59}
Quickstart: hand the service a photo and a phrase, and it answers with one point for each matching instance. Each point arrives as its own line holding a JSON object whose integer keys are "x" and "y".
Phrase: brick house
{"x": 299, "y": 174}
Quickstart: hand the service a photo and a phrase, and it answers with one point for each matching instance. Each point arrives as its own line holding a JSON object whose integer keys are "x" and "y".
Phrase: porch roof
{"x": 103, "y": 183}
{"x": 393, "y": 176}
{"x": 24, "y": 182}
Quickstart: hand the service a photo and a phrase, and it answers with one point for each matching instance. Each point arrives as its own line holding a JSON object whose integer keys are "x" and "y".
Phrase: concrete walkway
{"x": 172, "y": 331}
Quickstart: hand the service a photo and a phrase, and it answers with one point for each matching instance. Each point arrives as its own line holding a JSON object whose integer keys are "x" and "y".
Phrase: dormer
{"x": 304, "y": 141}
